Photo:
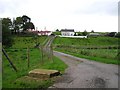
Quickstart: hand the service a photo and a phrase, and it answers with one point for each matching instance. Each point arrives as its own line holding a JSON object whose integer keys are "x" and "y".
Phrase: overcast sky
{"x": 80, "y": 15}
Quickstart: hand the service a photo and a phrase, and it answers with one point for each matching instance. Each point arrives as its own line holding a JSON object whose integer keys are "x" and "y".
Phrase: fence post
{"x": 4, "y": 52}
{"x": 28, "y": 57}
{"x": 41, "y": 47}
{"x": 52, "y": 53}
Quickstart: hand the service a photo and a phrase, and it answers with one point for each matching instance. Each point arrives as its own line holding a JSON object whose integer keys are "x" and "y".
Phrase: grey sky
{"x": 99, "y": 15}
{"x": 99, "y": 7}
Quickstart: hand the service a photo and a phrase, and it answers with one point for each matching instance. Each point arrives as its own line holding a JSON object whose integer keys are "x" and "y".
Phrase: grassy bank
{"x": 24, "y": 42}
{"x": 18, "y": 55}
{"x": 92, "y": 55}
{"x": 104, "y": 41}
{"x": 102, "y": 49}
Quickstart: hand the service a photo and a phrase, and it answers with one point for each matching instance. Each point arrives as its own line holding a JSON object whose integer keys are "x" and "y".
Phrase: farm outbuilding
{"x": 94, "y": 34}
{"x": 40, "y": 33}
{"x": 44, "y": 33}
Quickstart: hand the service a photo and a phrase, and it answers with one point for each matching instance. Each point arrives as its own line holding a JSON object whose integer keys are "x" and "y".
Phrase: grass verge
{"x": 18, "y": 55}
{"x": 95, "y": 58}
{"x": 10, "y": 76}
{"x": 101, "y": 49}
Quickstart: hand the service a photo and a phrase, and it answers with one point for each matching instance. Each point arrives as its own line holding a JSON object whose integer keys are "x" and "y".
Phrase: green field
{"x": 24, "y": 42}
{"x": 99, "y": 41}
{"x": 102, "y": 49}
{"x": 18, "y": 55}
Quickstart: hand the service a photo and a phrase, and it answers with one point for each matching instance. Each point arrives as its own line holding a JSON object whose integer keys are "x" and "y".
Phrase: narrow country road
{"x": 83, "y": 73}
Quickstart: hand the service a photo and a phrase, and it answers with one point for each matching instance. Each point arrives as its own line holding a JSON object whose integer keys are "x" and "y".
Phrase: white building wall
{"x": 67, "y": 33}
{"x": 73, "y": 36}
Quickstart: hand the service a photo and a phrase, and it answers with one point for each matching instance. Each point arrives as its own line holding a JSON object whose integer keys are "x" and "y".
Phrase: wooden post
{"x": 4, "y": 52}
{"x": 41, "y": 47}
{"x": 52, "y": 53}
{"x": 28, "y": 57}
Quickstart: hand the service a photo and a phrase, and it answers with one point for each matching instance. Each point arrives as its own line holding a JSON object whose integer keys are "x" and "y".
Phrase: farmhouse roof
{"x": 44, "y": 31}
{"x": 67, "y": 30}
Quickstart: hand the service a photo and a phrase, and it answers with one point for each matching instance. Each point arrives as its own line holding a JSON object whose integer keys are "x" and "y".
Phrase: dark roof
{"x": 40, "y": 31}
{"x": 44, "y": 32}
{"x": 67, "y": 30}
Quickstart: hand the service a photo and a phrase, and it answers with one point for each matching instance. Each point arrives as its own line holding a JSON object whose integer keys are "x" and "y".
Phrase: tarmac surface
{"x": 83, "y": 73}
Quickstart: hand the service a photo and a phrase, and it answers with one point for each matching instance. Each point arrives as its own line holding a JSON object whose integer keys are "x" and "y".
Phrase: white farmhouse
{"x": 67, "y": 32}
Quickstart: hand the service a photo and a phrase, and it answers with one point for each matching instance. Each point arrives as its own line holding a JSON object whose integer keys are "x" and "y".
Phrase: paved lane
{"x": 86, "y": 74}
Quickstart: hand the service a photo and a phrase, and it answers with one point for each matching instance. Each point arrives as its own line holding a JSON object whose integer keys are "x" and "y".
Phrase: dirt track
{"x": 86, "y": 74}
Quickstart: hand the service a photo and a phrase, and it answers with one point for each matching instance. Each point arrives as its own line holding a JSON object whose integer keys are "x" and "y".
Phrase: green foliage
{"x": 57, "y": 33}
{"x": 7, "y": 22}
{"x": 111, "y": 34}
{"x": 99, "y": 41}
{"x": 75, "y": 34}
{"x": 118, "y": 35}
{"x": 92, "y": 31}
{"x": 27, "y": 24}
{"x": 26, "y": 19}
{"x": 102, "y": 49}
{"x": 57, "y": 30}
{"x": 107, "y": 56}
{"x": 17, "y": 24}
{"x": 25, "y": 82}
{"x": 7, "y": 39}
{"x": 18, "y": 55}
{"x": 24, "y": 42}
{"x": 85, "y": 33}
{"x": 57, "y": 64}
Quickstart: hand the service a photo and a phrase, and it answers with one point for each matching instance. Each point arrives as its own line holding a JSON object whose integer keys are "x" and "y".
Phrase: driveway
{"x": 83, "y": 73}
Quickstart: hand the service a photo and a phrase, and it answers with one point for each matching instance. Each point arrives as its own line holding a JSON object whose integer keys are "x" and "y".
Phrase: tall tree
{"x": 18, "y": 24}
{"x": 6, "y": 32}
{"x": 111, "y": 34}
{"x": 57, "y": 30}
{"x": 27, "y": 24}
{"x": 92, "y": 31}
{"x": 7, "y": 22}
{"x": 85, "y": 33}
{"x": 118, "y": 35}
{"x": 26, "y": 19}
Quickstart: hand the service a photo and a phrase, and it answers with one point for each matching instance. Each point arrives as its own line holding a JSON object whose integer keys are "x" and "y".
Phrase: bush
{"x": 118, "y": 35}
{"x": 83, "y": 52}
{"x": 7, "y": 39}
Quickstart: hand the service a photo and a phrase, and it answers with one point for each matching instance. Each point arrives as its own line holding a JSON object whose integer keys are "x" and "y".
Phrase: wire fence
{"x": 29, "y": 57}
{"x": 47, "y": 49}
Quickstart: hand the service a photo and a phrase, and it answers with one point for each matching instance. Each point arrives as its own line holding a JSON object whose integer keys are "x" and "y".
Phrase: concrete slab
{"x": 43, "y": 73}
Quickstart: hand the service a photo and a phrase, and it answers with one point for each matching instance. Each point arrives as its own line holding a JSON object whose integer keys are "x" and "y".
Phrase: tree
{"x": 79, "y": 34}
{"x": 118, "y": 35}
{"x": 7, "y": 39}
{"x": 27, "y": 24}
{"x": 57, "y": 30}
{"x": 92, "y": 31}
{"x": 26, "y": 19}
{"x": 84, "y": 33}
{"x": 112, "y": 34}
{"x": 7, "y": 22}
{"x": 75, "y": 34}
{"x": 17, "y": 24}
